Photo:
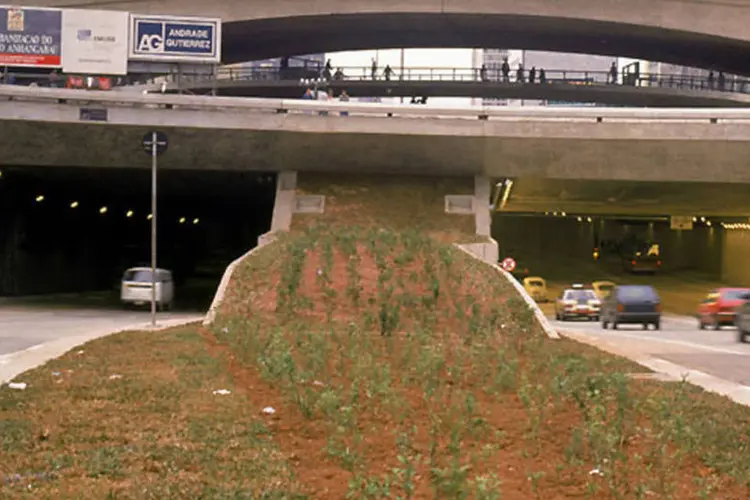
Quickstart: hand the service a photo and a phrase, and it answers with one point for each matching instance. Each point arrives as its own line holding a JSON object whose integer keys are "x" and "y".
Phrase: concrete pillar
{"x": 286, "y": 185}
{"x": 487, "y": 251}
{"x": 283, "y": 206}
{"x": 482, "y": 213}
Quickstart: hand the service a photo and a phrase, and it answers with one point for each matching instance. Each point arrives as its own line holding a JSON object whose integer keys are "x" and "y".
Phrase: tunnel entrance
{"x": 76, "y": 230}
{"x": 561, "y": 245}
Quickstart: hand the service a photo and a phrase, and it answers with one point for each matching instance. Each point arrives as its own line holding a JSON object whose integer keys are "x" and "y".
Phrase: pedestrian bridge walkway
{"x": 553, "y": 87}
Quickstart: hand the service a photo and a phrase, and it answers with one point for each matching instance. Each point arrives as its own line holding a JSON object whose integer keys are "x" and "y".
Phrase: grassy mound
{"x": 403, "y": 367}
{"x": 394, "y": 202}
{"x": 397, "y": 367}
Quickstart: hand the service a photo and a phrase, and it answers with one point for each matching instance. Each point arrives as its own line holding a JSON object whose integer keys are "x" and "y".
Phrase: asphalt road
{"x": 715, "y": 352}
{"x": 22, "y": 327}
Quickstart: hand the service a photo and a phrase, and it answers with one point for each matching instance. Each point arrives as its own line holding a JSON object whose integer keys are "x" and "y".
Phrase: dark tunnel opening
{"x": 74, "y": 230}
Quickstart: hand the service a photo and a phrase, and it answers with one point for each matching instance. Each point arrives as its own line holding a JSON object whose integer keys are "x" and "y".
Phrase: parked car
{"x": 536, "y": 288}
{"x": 577, "y": 302}
{"x": 742, "y": 319}
{"x": 136, "y": 287}
{"x": 632, "y": 304}
{"x": 602, "y": 289}
{"x": 719, "y": 307}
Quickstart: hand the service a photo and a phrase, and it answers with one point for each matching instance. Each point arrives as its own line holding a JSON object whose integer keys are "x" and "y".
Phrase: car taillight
{"x": 634, "y": 262}
{"x": 658, "y": 263}
{"x": 620, "y": 308}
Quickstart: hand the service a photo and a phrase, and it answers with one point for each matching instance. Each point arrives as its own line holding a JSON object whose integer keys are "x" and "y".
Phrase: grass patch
{"x": 134, "y": 416}
{"x": 398, "y": 367}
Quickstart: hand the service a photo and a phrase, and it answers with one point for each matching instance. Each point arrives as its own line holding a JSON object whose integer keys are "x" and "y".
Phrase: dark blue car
{"x": 632, "y": 304}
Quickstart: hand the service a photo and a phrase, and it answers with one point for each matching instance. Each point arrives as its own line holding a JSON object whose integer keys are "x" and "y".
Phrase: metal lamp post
{"x": 154, "y": 144}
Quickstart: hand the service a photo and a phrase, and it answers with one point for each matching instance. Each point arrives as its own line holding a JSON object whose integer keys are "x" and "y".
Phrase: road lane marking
{"x": 683, "y": 343}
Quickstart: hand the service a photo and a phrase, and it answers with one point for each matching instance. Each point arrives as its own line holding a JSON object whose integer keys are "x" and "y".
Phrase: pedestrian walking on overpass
{"x": 532, "y": 74}
{"x": 613, "y": 73}
{"x": 505, "y": 69}
{"x": 374, "y": 69}
{"x": 483, "y": 73}
{"x": 711, "y": 80}
{"x": 542, "y": 76}
{"x": 519, "y": 74}
{"x": 722, "y": 80}
{"x": 387, "y": 72}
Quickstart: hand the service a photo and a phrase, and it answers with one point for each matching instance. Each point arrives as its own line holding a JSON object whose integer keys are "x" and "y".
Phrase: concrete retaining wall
{"x": 538, "y": 314}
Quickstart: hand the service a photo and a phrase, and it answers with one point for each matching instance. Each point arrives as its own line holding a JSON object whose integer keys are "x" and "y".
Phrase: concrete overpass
{"x": 700, "y": 33}
{"x": 613, "y": 95}
{"x": 48, "y": 127}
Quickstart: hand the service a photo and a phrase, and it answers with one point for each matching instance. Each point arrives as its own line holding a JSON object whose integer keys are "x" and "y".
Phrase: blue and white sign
{"x": 175, "y": 39}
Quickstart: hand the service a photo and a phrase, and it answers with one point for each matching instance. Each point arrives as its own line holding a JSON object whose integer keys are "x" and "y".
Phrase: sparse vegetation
{"x": 398, "y": 367}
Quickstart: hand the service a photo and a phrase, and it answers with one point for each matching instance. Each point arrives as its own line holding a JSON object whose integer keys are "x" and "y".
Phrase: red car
{"x": 719, "y": 308}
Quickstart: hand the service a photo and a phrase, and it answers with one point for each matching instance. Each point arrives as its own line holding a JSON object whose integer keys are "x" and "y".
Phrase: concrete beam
{"x": 657, "y": 152}
{"x": 700, "y": 16}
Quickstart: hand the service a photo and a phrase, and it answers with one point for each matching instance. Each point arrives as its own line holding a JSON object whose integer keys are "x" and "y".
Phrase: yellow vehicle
{"x": 602, "y": 289}
{"x": 536, "y": 287}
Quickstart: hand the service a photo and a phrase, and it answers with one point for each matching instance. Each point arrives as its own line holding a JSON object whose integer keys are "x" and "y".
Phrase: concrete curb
{"x": 210, "y": 317}
{"x": 11, "y": 365}
{"x": 540, "y": 317}
{"x": 736, "y": 392}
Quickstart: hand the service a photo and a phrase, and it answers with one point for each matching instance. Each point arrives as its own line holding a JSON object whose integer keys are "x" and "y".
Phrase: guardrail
{"x": 169, "y": 102}
{"x": 490, "y": 74}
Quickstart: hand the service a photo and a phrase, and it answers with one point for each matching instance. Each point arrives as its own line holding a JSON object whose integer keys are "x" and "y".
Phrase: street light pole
{"x": 153, "y": 227}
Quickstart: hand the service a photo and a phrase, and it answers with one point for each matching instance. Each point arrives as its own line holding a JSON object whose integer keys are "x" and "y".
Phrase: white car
{"x": 577, "y": 302}
{"x": 136, "y": 287}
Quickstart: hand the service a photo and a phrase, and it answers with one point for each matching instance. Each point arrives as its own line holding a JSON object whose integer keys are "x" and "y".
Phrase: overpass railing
{"x": 720, "y": 82}
{"x": 345, "y": 110}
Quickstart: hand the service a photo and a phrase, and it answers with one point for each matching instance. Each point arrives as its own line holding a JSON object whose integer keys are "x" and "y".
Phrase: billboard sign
{"x": 30, "y": 37}
{"x": 95, "y": 42}
{"x": 175, "y": 39}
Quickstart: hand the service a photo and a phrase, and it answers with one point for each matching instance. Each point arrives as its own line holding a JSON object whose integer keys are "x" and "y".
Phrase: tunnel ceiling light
{"x": 703, "y": 219}
{"x": 564, "y": 214}
{"x": 40, "y": 198}
{"x": 589, "y": 219}
{"x": 129, "y": 213}
{"x": 182, "y": 220}
{"x": 103, "y": 210}
{"x": 196, "y": 220}
{"x": 695, "y": 219}
{"x": 554, "y": 214}
{"x": 149, "y": 216}
{"x": 74, "y": 204}
{"x": 708, "y": 223}
{"x": 580, "y": 219}
{"x": 1, "y": 174}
